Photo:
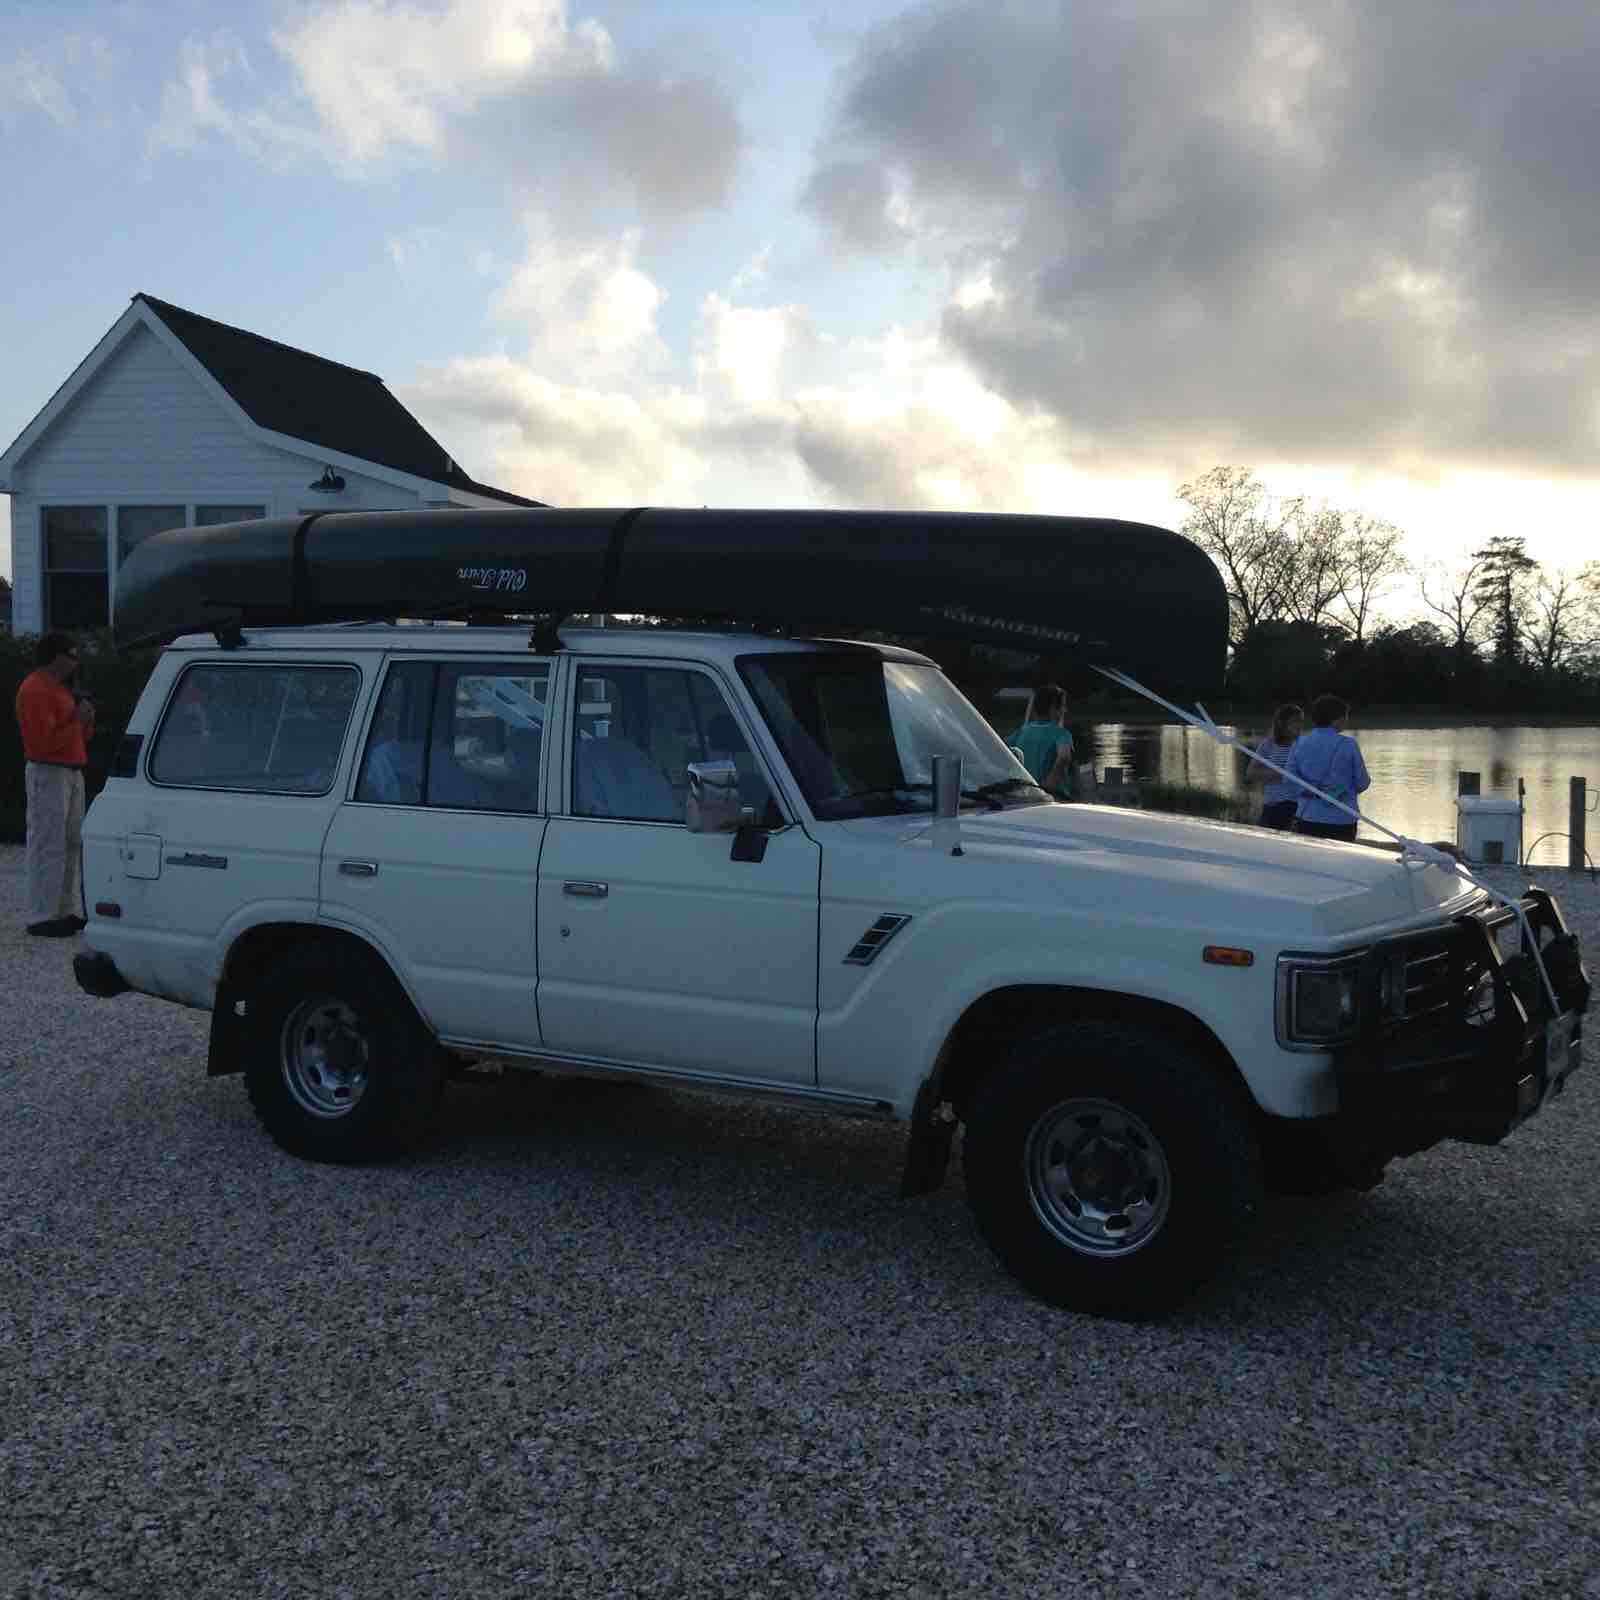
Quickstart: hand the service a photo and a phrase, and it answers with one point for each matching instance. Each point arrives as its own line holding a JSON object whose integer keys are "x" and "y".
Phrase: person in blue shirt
{"x": 1331, "y": 759}
{"x": 1279, "y": 797}
{"x": 1045, "y": 744}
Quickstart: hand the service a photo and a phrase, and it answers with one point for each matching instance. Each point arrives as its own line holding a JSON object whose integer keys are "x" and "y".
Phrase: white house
{"x": 172, "y": 420}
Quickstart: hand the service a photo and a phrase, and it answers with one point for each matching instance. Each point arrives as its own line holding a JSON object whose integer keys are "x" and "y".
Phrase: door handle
{"x": 359, "y": 869}
{"x": 587, "y": 891}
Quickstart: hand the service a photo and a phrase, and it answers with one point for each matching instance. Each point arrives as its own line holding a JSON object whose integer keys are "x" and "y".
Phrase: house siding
{"x": 146, "y": 428}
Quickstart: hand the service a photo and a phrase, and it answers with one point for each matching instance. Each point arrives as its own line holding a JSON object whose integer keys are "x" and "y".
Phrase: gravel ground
{"x": 603, "y": 1341}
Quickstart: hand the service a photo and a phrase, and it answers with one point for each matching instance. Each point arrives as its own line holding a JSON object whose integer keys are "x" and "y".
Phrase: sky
{"x": 1047, "y": 257}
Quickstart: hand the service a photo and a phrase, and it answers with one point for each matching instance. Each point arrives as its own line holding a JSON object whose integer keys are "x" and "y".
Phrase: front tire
{"x": 337, "y": 1065}
{"x": 1111, "y": 1168}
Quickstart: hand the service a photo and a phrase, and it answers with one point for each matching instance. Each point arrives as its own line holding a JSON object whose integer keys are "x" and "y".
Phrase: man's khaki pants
{"x": 55, "y": 826}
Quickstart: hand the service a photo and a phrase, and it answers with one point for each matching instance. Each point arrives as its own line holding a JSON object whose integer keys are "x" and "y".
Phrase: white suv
{"x": 736, "y": 862}
{"x": 712, "y": 859}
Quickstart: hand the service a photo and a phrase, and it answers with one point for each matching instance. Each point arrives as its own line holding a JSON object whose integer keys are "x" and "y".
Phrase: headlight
{"x": 1318, "y": 1005}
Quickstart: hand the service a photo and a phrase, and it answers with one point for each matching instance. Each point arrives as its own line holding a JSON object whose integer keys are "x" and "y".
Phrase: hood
{"x": 1227, "y": 872}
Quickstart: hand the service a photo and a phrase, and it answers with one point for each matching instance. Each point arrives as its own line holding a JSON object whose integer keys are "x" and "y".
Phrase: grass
{"x": 1188, "y": 800}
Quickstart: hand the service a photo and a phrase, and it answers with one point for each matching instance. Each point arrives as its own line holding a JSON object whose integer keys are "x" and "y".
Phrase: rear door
{"x": 241, "y": 780}
{"x": 434, "y": 857}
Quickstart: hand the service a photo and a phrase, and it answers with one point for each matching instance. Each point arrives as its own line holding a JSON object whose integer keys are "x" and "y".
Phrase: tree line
{"x": 1307, "y": 591}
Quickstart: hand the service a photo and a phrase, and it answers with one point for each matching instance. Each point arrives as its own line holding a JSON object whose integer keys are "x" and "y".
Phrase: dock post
{"x": 1576, "y": 807}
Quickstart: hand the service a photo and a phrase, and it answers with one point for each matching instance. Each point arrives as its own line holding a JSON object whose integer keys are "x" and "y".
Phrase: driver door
{"x": 656, "y": 946}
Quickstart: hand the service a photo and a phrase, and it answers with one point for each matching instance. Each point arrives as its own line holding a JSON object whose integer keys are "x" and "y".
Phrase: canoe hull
{"x": 1101, "y": 590}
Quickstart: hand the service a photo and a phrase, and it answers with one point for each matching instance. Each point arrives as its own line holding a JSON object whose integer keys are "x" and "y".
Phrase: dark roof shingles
{"x": 324, "y": 403}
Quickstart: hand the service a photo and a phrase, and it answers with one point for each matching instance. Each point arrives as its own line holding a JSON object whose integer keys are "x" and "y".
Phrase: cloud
{"x": 514, "y": 87}
{"x": 72, "y": 69}
{"x": 584, "y": 306}
{"x": 380, "y": 75}
{"x": 768, "y": 409}
{"x": 1244, "y": 231}
{"x": 194, "y": 112}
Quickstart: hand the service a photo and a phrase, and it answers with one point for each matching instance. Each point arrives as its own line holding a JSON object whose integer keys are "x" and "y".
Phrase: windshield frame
{"x": 1008, "y": 785}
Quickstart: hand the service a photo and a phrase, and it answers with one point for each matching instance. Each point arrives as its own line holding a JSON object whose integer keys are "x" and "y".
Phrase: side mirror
{"x": 713, "y": 805}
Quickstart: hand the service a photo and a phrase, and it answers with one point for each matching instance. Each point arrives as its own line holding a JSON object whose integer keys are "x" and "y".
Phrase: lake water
{"x": 1413, "y": 772}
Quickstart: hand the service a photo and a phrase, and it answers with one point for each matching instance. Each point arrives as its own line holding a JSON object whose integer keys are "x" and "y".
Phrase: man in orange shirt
{"x": 56, "y": 725}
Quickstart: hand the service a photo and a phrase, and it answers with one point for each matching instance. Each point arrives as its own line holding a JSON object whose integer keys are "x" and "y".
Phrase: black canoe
{"x": 1121, "y": 594}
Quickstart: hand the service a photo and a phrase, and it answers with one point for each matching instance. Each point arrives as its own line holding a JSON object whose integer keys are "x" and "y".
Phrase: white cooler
{"x": 1489, "y": 828}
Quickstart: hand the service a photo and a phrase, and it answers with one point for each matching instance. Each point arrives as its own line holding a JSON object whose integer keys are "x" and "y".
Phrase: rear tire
{"x": 1111, "y": 1168}
{"x": 337, "y": 1065}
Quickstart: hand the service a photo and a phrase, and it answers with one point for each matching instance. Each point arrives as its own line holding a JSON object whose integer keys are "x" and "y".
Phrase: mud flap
{"x": 933, "y": 1130}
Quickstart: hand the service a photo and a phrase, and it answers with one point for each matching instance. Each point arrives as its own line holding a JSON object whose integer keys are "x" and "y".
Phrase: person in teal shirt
{"x": 1045, "y": 744}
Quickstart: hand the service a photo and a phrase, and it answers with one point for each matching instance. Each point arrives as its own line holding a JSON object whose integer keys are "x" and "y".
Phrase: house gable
{"x": 148, "y": 431}
{"x": 174, "y": 410}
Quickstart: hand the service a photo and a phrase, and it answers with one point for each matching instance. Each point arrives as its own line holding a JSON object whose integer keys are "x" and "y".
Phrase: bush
{"x": 114, "y": 679}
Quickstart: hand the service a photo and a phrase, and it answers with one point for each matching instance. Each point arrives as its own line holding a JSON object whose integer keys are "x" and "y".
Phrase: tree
{"x": 1409, "y": 665}
{"x": 1282, "y": 561}
{"x": 1311, "y": 562}
{"x": 1231, "y": 519}
{"x": 1369, "y": 556}
{"x": 1459, "y": 603}
{"x": 1282, "y": 661}
{"x": 1559, "y": 621}
{"x": 1503, "y": 584}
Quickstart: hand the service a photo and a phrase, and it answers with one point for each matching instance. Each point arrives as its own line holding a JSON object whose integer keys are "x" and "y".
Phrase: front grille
{"x": 1421, "y": 984}
{"x": 1442, "y": 988}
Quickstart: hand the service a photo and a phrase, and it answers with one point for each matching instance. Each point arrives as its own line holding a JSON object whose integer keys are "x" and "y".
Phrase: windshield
{"x": 860, "y": 734}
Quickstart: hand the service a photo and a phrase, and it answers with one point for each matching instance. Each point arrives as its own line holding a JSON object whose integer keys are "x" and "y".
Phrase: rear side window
{"x": 261, "y": 729}
{"x": 464, "y": 735}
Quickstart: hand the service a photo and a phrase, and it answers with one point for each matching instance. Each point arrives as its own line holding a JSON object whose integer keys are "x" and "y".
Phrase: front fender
{"x": 888, "y": 1022}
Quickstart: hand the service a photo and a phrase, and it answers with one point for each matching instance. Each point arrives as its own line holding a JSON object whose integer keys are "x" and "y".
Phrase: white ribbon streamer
{"x": 1410, "y": 849}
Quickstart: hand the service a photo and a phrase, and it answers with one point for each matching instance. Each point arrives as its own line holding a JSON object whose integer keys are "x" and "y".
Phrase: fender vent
{"x": 874, "y": 939}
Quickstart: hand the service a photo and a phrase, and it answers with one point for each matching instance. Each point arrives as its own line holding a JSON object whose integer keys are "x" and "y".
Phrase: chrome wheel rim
{"x": 1097, "y": 1177}
{"x": 325, "y": 1057}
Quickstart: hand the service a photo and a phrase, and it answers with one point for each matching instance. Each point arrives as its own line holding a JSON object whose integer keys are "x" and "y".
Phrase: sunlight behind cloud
{"x": 380, "y": 74}
{"x": 584, "y": 306}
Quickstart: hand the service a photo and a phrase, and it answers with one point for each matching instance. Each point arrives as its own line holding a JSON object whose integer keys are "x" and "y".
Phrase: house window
{"x": 77, "y": 590}
{"x": 135, "y": 524}
{"x": 78, "y": 567}
{"x": 210, "y": 516}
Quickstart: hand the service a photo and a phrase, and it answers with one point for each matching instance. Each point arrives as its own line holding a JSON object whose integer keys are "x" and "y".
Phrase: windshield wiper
{"x": 987, "y": 793}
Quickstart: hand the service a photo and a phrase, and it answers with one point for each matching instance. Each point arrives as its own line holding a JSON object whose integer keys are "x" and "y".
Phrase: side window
{"x": 265, "y": 729}
{"x": 391, "y": 769}
{"x": 488, "y": 736}
{"x": 638, "y": 728}
{"x": 466, "y": 735}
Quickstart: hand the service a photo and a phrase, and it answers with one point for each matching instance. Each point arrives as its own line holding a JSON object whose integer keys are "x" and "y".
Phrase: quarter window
{"x": 260, "y": 729}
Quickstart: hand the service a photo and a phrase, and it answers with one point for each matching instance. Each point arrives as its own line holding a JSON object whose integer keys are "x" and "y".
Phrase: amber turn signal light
{"x": 1225, "y": 955}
